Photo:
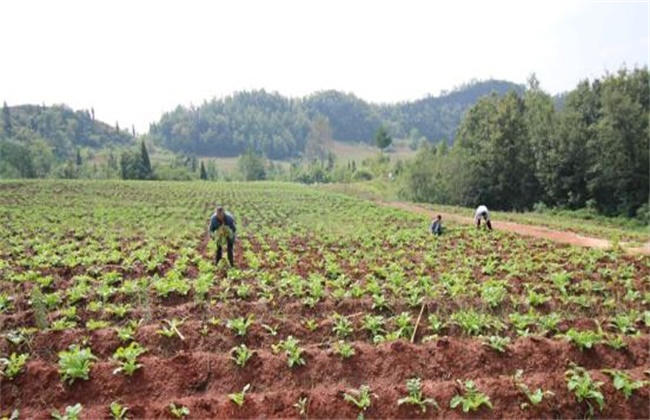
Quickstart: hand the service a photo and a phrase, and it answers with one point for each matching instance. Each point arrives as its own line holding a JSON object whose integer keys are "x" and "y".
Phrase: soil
{"x": 522, "y": 229}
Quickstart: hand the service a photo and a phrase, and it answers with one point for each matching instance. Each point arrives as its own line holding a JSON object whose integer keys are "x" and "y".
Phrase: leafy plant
{"x": 360, "y": 398}
{"x": 416, "y": 397}
{"x": 584, "y": 388}
{"x": 127, "y": 357}
{"x": 292, "y": 350}
{"x": 497, "y": 343}
{"x": 584, "y": 339}
{"x": 241, "y": 355}
{"x": 311, "y": 324}
{"x": 342, "y": 325}
{"x": 302, "y": 406}
{"x": 75, "y": 363}
{"x": 343, "y": 349}
{"x": 471, "y": 399}
{"x": 240, "y": 325}
{"x": 118, "y": 411}
{"x": 435, "y": 323}
{"x": 172, "y": 328}
{"x": 71, "y": 413}
{"x": 624, "y": 383}
{"x": 534, "y": 397}
{"x": 14, "y": 364}
{"x": 239, "y": 398}
{"x": 179, "y": 411}
{"x": 404, "y": 325}
{"x": 374, "y": 324}
{"x": 93, "y": 324}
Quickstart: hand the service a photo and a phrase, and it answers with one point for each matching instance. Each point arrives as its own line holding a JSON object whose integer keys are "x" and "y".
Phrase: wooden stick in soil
{"x": 415, "y": 330}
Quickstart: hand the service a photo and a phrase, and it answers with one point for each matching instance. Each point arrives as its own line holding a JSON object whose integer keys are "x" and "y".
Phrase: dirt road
{"x": 521, "y": 229}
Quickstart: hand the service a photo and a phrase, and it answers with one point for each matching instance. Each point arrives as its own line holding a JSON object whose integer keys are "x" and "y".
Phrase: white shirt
{"x": 482, "y": 209}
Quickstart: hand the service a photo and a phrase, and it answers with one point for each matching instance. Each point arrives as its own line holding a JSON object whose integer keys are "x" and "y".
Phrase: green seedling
{"x": 302, "y": 406}
{"x": 172, "y": 328}
{"x": 497, "y": 343}
{"x": 13, "y": 365}
{"x": 416, "y": 397}
{"x": 75, "y": 363}
{"x": 239, "y": 398}
{"x": 535, "y": 397}
{"x": 179, "y": 411}
{"x": 470, "y": 398}
{"x": 241, "y": 355}
{"x": 343, "y": 349}
{"x": 71, "y": 413}
{"x": 624, "y": 383}
{"x": 240, "y": 325}
{"x": 118, "y": 411}
{"x": 585, "y": 389}
{"x": 342, "y": 325}
{"x": 361, "y": 398}
{"x": 127, "y": 357}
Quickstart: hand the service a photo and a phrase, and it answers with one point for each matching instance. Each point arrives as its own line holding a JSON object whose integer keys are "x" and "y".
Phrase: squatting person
{"x": 482, "y": 213}
{"x": 224, "y": 224}
{"x": 436, "y": 226}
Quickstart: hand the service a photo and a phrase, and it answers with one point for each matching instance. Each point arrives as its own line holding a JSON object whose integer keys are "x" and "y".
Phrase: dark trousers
{"x": 230, "y": 246}
{"x": 487, "y": 222}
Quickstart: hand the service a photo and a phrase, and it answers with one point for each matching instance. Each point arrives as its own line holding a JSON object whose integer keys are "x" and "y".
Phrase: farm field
{"x": 337, "y": 307}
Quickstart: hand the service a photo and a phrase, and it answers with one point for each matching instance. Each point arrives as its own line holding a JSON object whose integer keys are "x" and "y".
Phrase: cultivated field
{"x": 109, "y": 295}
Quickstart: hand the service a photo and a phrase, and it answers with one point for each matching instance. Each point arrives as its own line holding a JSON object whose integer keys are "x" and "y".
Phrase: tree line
{"x": 524, "y": 151}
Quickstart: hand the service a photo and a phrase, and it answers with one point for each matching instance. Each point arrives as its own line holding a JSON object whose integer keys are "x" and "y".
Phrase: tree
{"x": 7, "y": 127}
{"x": 251, "y": 166}
{"x": 145, "y": 171}
{"x": 318, "y": 139}
{"x": 203, "y": 172}
{"x": 382, "y": 138}
{"x": 78, "y": 160}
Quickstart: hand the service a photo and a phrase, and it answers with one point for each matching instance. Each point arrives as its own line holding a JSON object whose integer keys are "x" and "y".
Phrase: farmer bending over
{"x": 436, "y": 226}
{"x": 482, "y": 212}
{"x": 224, "y": 224}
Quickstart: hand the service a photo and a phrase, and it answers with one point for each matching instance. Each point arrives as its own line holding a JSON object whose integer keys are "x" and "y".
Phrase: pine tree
{"x": 204, "y": 173}
{"x": 145, "y": 165}
{"x": 6, "y": 121}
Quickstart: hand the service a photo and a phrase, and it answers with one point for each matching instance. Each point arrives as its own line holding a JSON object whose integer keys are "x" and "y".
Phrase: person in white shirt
{"x": 482, "y": 213}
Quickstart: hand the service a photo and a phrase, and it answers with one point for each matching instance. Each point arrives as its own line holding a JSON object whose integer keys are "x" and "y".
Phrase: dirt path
{"x": 521, "y": 229}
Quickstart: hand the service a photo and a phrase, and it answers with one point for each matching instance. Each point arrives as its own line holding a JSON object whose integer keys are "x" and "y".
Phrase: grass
{"x": 613, "y": 229}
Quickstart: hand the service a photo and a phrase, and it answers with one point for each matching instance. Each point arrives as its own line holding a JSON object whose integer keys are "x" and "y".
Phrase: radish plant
{"x": 416, "y": 397}
{"x": 75, "y": 363}
{"x": 239, "y": 398}
{"x": 127, "y": 357}
{"x": 13, "y": 365}
{"x": 469, "y": 398}
{"x": 584, "y": 388}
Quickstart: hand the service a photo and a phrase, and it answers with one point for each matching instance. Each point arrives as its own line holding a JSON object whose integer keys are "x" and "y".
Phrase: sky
{"x": 133, "y": 60}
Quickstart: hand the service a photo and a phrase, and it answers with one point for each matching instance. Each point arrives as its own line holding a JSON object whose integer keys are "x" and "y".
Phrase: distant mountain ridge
{"x": 279, "y": 127}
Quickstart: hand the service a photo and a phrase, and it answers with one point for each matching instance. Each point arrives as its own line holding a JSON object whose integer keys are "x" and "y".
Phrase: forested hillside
{"x": 279, "y": 127}
{"x": 36, "y": 141}
{"x": 517, "y": 152}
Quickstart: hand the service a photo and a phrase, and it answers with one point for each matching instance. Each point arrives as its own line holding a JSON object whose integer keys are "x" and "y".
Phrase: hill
{"x": 35, "y": 139}
{"x": 281, "y": 127}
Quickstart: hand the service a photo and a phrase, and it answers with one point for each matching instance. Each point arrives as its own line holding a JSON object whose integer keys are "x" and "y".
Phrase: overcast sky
{"x": 132, "y": 60}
